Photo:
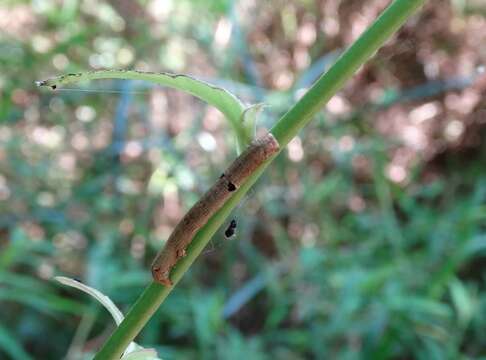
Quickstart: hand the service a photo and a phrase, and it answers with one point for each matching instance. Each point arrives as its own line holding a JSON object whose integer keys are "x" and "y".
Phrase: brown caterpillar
{"x": 244, "y": 165}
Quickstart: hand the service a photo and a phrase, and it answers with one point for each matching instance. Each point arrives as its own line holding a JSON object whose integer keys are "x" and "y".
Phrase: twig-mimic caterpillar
{"x": 244, "y": 165}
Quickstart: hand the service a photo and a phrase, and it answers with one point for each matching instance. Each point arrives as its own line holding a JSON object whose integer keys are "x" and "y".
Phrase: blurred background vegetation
{"x": 365, "y": 239}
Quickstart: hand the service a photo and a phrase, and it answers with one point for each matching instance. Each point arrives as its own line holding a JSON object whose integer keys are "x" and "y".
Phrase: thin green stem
{"x": 285, "y": 129}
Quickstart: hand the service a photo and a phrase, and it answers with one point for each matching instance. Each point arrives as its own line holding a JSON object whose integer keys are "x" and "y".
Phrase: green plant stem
{"x": 285, "y": 129}
{"x": 346, "y": 65}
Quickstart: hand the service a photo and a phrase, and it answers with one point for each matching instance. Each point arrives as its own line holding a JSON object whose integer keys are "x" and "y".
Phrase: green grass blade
{"x": 10, "y": 346}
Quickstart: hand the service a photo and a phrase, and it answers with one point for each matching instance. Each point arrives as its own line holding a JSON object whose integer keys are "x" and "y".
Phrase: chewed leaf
{"x": 216, "y": 96}
{"x": 103, "y": 299}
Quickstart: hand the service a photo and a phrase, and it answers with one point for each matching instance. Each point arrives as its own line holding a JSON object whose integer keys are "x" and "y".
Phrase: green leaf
{"x": 462, "y": 301}
{"x": 10, "y": 345}
{"x": 216, "y": 96}
{"x": 45, "y": 303}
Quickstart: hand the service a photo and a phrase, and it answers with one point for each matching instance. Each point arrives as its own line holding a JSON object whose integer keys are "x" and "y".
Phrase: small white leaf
{"x": 145, "y": 354}
{"x": 103, "y": 299}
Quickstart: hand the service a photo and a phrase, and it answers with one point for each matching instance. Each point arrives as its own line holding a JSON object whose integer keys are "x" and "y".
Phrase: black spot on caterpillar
{"x": 244, "y": 165}
{"x": 231, "y": 186}
{"x": 230, "y": 230}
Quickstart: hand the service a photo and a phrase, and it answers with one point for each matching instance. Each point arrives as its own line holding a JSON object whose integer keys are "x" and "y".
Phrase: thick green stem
{"x": 285, "y": 129}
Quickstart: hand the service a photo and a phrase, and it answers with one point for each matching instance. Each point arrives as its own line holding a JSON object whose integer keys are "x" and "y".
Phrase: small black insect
{"x": 230, "y": 230}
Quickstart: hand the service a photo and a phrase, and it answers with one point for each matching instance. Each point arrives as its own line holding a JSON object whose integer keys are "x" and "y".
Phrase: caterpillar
{"x": 240, "y": 169}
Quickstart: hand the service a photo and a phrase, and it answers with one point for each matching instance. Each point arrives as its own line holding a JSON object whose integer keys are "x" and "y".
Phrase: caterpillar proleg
{"x": 242, "y": 167}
